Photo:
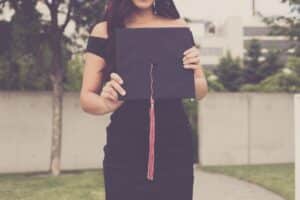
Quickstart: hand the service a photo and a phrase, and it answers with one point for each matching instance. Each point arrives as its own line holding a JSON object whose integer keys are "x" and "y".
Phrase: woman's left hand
{"x": 191, "y": 59}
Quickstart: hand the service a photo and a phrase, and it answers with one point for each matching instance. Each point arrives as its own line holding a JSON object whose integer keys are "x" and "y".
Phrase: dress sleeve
{"x": 97, "y": 45}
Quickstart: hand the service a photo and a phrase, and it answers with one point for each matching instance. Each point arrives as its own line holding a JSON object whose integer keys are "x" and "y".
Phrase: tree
{"x": 214, "y": 85}
{"x": 252, "y": 63}
{"x": 229, "y": 72}
{"x": 285, "y": 80}
{"x": 83, "y": 14}
{"x": 287, "y": 25}
{"x": 271, "y": 65}
{"x": 259, "y": 66}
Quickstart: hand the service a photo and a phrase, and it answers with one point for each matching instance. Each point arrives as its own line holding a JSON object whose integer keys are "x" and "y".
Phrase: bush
{"x": 285, "y": 80}
{"x": 229, "y": 73}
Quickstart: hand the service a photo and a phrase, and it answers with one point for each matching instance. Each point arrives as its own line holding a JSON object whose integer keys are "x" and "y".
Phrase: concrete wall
{"x": 25, "y": 133}
{"x": 246, "y": 128}
{"x": 234, "y": 128}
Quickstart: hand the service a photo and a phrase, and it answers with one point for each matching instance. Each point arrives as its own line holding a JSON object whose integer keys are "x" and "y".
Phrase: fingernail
{"x": 185, "y": 66}
{"x": 123, "y": 93}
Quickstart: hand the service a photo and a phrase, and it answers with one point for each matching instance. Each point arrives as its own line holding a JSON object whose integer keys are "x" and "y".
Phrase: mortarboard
{"x": 149, "y": 60}
{"x": 138, "y": 48}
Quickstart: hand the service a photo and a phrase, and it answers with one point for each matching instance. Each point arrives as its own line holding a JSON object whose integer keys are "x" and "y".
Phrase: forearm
{"x": 201, "y": 87}
{"x": 93, "y": 103}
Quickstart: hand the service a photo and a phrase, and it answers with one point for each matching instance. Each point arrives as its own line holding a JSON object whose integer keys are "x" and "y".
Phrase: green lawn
{"x": 86, "y": 185}
{"x": 279, "y": 178}
{"x": 89, "y": 185}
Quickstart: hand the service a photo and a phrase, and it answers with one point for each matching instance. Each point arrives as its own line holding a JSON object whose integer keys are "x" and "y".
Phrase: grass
{"x": 279, "y": 178}
{"x": 87, "y": 185}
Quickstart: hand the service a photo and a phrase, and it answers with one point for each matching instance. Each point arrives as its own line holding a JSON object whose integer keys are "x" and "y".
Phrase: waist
{"x": 140, "y": 108}
{"x": 135, "y": 113}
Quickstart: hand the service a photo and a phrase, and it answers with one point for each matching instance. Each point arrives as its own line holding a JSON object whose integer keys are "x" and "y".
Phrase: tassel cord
{"x": 151, "y": 158}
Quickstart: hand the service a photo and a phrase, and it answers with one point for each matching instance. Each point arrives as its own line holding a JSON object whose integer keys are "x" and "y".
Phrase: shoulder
{"x": 97, "y": 40}
{"x": 180, "y": 22}
{"x": 100, "y": 30}
{"x": 176, "y": 22}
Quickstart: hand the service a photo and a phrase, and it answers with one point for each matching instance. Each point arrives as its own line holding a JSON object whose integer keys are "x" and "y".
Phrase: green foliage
{"x": 26, "y": 50}
{"x": 90, "y": 9}
{"x": 255, "y": 70}
{"x": 251, "y": 63}
{"x": 191, "y": 108}
{"x": 271, "y": 65}
{"x": 291, "y": 27}
{"x": 268, "y": 75}
{"x": 19, "y": 58}
{"x": 229, "y": 73}
{"x": 74, "y": 74}
{"x": 236, "y": 78}
{"x": 24, "y": 62}
{"x": 285, "y": 80}
{"x": 5, "y": 36}
{"x": 4, "y": 70}
{"x": 69, "y": 185}
{"x": 213, "y": 83}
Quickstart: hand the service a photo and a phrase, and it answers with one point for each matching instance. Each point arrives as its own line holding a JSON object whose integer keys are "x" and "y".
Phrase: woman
{"x": 126, "y": 151}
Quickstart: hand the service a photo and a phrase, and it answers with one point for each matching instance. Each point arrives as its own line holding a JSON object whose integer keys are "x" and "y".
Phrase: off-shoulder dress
{"x": 127, "y": 144}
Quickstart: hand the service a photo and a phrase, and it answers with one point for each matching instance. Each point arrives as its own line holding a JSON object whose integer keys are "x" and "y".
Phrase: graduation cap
{"x": 149, "y": 60}
{"x": 137, "y": 49}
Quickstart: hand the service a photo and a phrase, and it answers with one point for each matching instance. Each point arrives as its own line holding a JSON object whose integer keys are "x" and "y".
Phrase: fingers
{"x": 116, "y": 77}
{"x": 192, "y": 60}
{"x": 109, "y": 92}
{"x": 191, "y": 56}
{"x": 116, "y": 86}
{"x": 190, "y": 50}
{"x": 191, "y": 66}
{"x": 113, "y": 87}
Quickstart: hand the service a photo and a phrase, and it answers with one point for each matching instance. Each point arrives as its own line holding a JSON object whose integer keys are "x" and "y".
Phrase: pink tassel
{"x": 150, "y": 173}
{"x": 151, "y": 141}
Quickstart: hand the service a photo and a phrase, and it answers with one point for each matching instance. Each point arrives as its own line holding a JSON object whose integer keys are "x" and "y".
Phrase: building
{"x": 235, "y": 36}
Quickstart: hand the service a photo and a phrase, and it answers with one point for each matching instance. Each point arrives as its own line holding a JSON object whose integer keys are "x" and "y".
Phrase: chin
{"x": 143, "y": 4}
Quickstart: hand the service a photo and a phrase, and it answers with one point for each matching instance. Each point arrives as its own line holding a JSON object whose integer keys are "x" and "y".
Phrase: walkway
{"x": 210, "y": 186}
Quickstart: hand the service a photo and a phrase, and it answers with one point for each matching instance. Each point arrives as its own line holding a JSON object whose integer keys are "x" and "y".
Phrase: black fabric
{"x": 97, "y": 45}
{"x": 126, "y": 152}
{"x": 138, "y": 48}
{"x": 127, "y": 134}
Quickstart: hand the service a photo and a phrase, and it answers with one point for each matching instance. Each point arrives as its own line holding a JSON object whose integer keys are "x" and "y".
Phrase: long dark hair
{"x": 115, "y": 15}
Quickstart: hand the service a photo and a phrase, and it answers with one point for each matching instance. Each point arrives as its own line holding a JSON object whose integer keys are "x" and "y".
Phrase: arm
{"x": 192, "y": 61}
{"x": 201, "y": 87}
{"x": 90, "y": 101}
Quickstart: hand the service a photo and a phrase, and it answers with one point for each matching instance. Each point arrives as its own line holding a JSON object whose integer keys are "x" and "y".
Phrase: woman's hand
{"x": 191, "y": 60}
{"x": 110, "y": 92}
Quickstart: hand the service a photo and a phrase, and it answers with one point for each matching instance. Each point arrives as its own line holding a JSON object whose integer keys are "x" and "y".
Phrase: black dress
{"x": 126, "y": 150}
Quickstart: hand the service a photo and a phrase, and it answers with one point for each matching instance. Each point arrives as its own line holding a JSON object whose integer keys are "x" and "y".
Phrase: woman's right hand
{"x": 110, "y": 90}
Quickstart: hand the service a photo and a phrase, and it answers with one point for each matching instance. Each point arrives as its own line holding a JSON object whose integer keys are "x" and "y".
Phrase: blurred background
{"x": 244, "y": 129}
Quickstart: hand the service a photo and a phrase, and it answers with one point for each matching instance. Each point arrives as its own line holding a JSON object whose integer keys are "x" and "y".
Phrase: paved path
{"x": 210, "y": 186}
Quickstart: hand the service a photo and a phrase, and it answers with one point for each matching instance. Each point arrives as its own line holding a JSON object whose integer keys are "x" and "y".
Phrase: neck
{"x": 142, "y": 16}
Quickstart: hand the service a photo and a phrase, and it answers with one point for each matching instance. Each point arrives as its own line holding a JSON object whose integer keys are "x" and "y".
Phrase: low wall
{"x": 246, "y": 128}
{"x": 234, "y": 128}
{"x": 25, "y": 133}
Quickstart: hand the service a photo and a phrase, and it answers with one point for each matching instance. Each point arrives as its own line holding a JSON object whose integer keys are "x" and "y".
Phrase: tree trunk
{"x": 56, "y": 77}
{"x": 57, "y": 101}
